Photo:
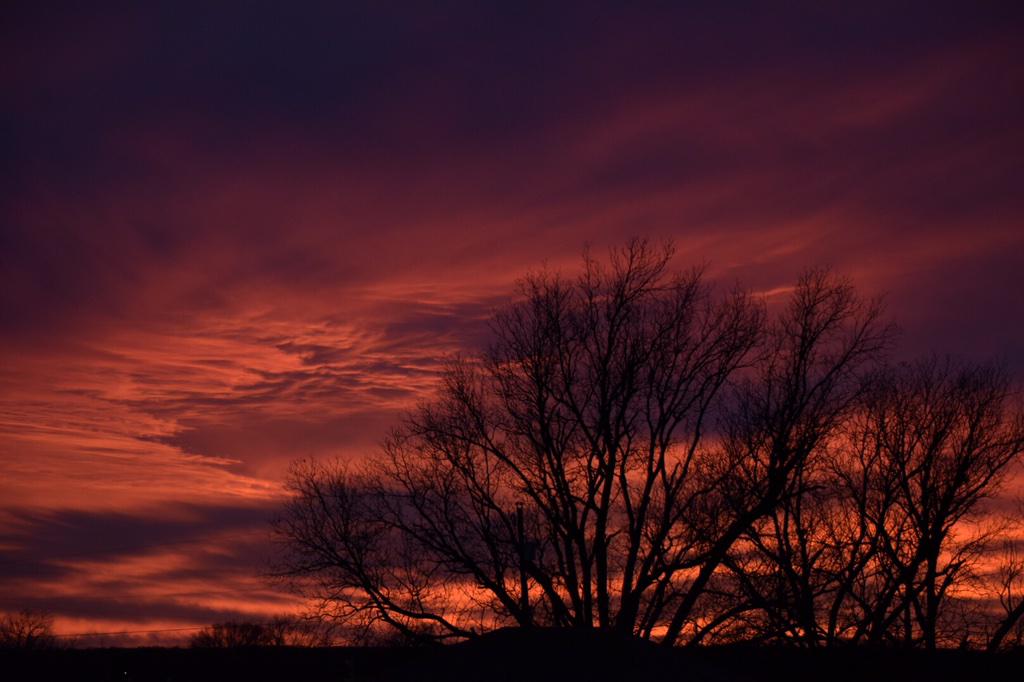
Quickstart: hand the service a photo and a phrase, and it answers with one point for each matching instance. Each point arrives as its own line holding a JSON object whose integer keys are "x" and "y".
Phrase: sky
{"x": 236, "y": 236}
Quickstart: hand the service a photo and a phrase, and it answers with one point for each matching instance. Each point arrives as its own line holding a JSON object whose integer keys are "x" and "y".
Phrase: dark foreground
{"x": 509, "y": 655}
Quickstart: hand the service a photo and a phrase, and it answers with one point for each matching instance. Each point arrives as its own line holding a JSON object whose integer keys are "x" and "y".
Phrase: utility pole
{"x": 524, "y": 592}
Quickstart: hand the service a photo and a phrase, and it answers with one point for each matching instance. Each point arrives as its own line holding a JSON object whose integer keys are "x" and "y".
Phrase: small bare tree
{"x": 27, "y": 630}
{"x": 1009, "y": 629}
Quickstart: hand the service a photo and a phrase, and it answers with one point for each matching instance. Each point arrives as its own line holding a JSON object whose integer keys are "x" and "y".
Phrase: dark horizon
{"x": 236, "y": 237}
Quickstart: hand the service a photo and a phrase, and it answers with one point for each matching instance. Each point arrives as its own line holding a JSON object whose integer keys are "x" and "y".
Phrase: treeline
{"x": 29, "y": 630}
{"x": 278, "y": 631}
{"x": 639, "y": 453}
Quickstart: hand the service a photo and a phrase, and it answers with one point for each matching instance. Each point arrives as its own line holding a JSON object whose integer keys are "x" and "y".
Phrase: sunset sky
{"x": 235, "y": 237}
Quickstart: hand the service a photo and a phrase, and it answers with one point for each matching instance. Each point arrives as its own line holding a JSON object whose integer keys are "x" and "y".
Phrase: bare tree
{"x": 1009, "y": 628}
{"x": 591, "y": 409}
{"x": 949, "y": 434}
{"x": 27, "y": 630}
{"x": 875, "y": 542}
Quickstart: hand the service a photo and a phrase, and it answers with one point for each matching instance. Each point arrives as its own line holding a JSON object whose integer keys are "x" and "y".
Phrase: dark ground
{"x": 507, "y": 656}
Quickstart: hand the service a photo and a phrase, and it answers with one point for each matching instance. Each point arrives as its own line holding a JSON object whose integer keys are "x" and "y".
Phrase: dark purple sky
{"x": 233, "y": 237}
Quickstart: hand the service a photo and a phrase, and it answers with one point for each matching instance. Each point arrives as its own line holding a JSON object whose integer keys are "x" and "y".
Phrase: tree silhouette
{"x": 1010, "y": 627}
{"x": 947, "y": 434}
{"x": 868, "y": 548}
{"x": 27, "y": 630}
{"x": 639, "y": 453}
